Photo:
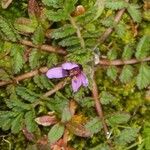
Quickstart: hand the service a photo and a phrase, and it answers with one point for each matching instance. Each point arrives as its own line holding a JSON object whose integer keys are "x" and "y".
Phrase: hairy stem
{"x": 78, "y": 32}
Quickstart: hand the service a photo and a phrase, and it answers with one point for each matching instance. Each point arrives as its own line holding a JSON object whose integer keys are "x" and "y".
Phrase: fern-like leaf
{"x": 118, "y": 118}
{"x": 143, "y": 47}
{"x": 143, "y": 78}
{"x": 17, "y": 58}
{"x": 17, "y": 124}
{"x": 126, "y": 74}
{"x": 53, "y": 3}
{"x": 134, "y": 12}
{"x": 70, "y": 41}
{"x": 26, "y": 94}
{"x": 38, "y": 36}
{"x": 116, "y": 4}
{"x": 127, "y": 136}
{"x": 112, "y": 72}
{"x": 34, "y": 58}
{"x": 56, "y": 16}
{"x": 30, "y": 121}
{"x": 8, "y": 30}
{"x": 107, "y": 98}
{"x": 63, "y": 32}
{"x": 127, "y": 52}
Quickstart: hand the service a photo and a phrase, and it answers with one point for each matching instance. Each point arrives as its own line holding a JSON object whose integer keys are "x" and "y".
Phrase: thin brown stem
{"x": 120, "y": 62}
{"x": 25, "y": 76}
{"x": 99, "y": 111}
{"x": 108, "y": 31}
{"x": 99, "y": 107}
{"x": 44, "y": 47}
{"x": 57, "y": 87}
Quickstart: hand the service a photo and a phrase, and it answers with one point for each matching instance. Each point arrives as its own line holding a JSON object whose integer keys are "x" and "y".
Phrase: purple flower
{"x": 68, "y": 69}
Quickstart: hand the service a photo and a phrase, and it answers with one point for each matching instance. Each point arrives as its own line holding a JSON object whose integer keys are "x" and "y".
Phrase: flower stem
{"x": 78, "y": 32}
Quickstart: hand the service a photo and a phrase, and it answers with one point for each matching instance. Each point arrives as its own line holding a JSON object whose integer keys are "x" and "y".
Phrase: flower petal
{"x": 84, "y": 79}
{"x": 56, "y": 72}
{"x": 76, "y": 83}
{"x": 69, "y": 66}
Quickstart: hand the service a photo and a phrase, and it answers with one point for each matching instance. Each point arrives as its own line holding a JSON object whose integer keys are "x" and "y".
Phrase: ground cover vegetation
{"x": 110, "y": 39}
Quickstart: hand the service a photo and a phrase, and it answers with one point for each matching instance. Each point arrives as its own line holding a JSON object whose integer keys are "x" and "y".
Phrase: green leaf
{"x": 127, "y": 136}
{"x": 27, "y": 94}
{"x": 143, "y": 47}
{"x": 53, "y": 3}
{"x": 17, "y": 58}
{"x": 107, "y": 98}
{"x": 100, "y": 4}
{"x": 4, "y": 75}
{"x": 87, "y": 17}
{"x": 112, "y": 72}
{"x": 34, "y": 58}
{"x": 69, "y": 6}
{"x": 17, "y": 124}
{"x": 17, "y": 62}
{"x": 8, "y": 30}
{"x": 19, "y": 104}
{"x": 112, "y": 54}
{"x": 134, "y": 12}
{"x": 66, "y": 114}
{"x": 7, "y": 124}
{"x": 118, "y": 118}
{"x": 70, "y": 41}
{"x": 25, "y": 25}
{"x": 52, "y": 60}
{"x": 126, "y": 74}
{"x": 37, "y": 80}
{"x": 63, "y": 31}
{"x": 30, "y": 121}
{"x": 38, "y": 36}
{"x": 87, "y": 102}
{"x": 94, "y": 125}
{"x": 108, "y": 22}
{"x": 116, "y": 4}
{"x": 127, "y": 52}
{"x": 55, "y": 133}
{"x": 45, "y": 82}
{"x": 120, "y": 29}
{"x": 146, "y": 134}
{"x": 56, "y": 16}
{"x": 143, "y": 78}
{"x": 6, "y": 118}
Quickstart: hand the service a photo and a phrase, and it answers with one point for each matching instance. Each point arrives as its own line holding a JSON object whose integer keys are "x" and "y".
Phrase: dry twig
{"x": 57, "y": 87}
{"x": 99, "y": 107}
{"x": 120, "y": 62}
{"x": 25, "y": 76}
{"x": 44, "y": 47}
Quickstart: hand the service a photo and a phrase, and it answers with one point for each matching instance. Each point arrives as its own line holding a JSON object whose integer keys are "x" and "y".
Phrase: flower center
{"x": 75, "y": 71}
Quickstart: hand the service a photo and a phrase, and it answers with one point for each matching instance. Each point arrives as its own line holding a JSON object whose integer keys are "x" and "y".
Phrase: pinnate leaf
{"x": 143, "y": 78}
